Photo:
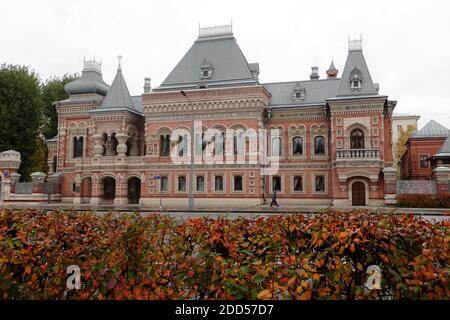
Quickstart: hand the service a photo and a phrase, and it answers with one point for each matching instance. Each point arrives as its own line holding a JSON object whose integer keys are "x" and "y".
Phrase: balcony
{"x": 357, "y": 154}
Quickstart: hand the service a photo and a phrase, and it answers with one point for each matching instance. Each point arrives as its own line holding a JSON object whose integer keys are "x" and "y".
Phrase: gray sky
{"x": 406, "y": 43}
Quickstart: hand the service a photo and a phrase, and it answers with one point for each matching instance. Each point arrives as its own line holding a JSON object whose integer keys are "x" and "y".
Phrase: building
{"x": 319, "y": 141}
{"x": 425, "y": 150}
{"x": 405, "y": 122}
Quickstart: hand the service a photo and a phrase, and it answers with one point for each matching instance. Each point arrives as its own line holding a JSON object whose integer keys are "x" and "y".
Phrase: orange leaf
{"x": 264, "y": 295}
{"x": 306, "y": 295}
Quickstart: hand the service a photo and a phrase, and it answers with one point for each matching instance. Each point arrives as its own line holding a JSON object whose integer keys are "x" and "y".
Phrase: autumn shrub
{"x": 133, "y": 256}
{"x": 420, "y": 200}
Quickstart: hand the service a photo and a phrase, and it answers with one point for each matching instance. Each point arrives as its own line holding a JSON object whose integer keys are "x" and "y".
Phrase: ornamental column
{"x": 390, "y": 185}
{"x": 122, "y": 146}
{"x": 442, "y": 177}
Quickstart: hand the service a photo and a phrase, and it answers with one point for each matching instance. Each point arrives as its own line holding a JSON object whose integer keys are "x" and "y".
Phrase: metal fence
{"x": 24, "y": 188}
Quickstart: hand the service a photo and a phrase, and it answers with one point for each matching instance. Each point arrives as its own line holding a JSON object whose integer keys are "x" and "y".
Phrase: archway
{"x": 134, "y": 190}
{"x": 358, "y": 193}
{"x": 86, "y": 190}
{"x": 109, "y": 188}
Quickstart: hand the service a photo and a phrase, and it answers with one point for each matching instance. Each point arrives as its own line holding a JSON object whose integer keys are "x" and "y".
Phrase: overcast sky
{"x": 406, "y": 43}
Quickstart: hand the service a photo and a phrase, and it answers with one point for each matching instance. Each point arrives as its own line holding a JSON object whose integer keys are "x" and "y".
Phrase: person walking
{"x": 274, "y": 199}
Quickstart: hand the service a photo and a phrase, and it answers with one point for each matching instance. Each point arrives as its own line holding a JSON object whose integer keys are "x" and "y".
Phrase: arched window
{"x": 237, "y": 183}
{"x": 319, "y": 145}
{"x": 78, "y": 147}
{"x": 357, "y": 139}
{"x": 238, "y": 143}
{"x": 111, "y": 145}
{"x": 219, "y": 144}
{"x": 297, "y": 146}
{"x": 104, "y": 140}
{"x": 182, "y": 145}
{"x": 200, "y": 181}
{"x": 218, "y": 183}
{"x": 276, "y": 146}
{"x": 164, "y": 145}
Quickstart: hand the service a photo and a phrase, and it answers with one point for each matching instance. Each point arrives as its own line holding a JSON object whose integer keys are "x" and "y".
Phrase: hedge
{"x": 132, "y": 256}
{"x": 420, "y": 200}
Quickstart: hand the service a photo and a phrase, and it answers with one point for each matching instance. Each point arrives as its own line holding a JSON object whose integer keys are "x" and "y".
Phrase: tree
{"x": 20, "y": 113}
{"x": 53, "y": 90}
{"x": 400, "y": 145}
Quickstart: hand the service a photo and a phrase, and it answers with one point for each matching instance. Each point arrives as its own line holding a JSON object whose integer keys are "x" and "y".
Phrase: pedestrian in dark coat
{"x": 274, "y": 199}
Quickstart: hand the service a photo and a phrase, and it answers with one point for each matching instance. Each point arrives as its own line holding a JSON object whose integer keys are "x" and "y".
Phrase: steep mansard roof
{"x": 221, "y": 53}
{"x": 91, "y": 81}
{"x": 430, "y": 130}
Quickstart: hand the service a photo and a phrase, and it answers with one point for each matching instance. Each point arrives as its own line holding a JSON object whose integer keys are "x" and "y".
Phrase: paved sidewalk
{"x": 254, "y": 209}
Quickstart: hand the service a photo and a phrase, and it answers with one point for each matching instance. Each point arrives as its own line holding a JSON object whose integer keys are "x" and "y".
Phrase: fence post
{"x": 442, "y": 177}
{"x": 56, "y": 181}
{"x": 38, "y": 179}
{"x": 390, "y": 184}
{"x": 15, "y": 177}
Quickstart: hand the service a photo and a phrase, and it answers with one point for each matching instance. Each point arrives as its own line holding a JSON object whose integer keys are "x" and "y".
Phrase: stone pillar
{"x": 97, "y": 191}
{"x": 442, "y": 177}
{"x": 56, "y": 180}
{"x": 390, "y": 185}
{"x": 77, "y": 197}
{"x": 15, "y": 177}
{"x": 38, "y": 179}
{"x": 121, "y": 197}
{"x": 122, "y": 146}
{"x": 98, "y": 145}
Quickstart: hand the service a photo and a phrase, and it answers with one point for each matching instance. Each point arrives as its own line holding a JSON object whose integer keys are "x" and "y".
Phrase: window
{"x": 356, "y": 84}
{"x": 339, "y": 121}
{"x": 78, "y": 147}
{"x": 339, "y": 132}
{"x": 219, "y": 145}
{"x": 200, "y": 144}
{"x": 399, "y": 128}
{"x": 54, "y": 164}
{"x": 205, "y": 73}
{"x": 74, "y": 187}
{"x": 298, "y": 183}
{"x": 218, "y": 183}
{"x": 375, "y": 143}
{"x": 182, "y": 145}
{"x": 339, "y": 144}
{"x": 276, "y": 146}
{"x": 164, "y": 184}
{"x": 357, "y": 139}
{"x": 375, "y": 132}
{"x": 297, "y": 146}
{"x": 105, "y": 139}
{"x": 200, "y": 182}
{"x": 238, "y": 143}
{"x": 237, "y": 183}
{"x": 319, "y": 145}
{"x": 320, "y": 184}
{"x": 182, "y": 183}
{"x": 375, "y": 120}
{"x": 276, "y": 183}
{"x": 423, "y": 161}
{"x": 164, "y": 145}
{"x": 298, "y": 95}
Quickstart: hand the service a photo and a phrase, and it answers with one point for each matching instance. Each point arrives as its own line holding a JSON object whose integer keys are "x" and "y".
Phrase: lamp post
{"x": 191, "y": 168}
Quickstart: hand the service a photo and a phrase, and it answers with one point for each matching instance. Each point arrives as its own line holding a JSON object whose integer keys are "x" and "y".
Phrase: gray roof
{"x": 356, "y": 63}
{"x": 316, "y": 92}
{"x": 137, "y": 102}
{"x": 229, "y": 66}
{"x": 91, "y": 81}
{"x": 431, "y": 129}
{"x": 118, "y": 96}
{"x": 444, "y": 151}
{"x": 332, "y": 67}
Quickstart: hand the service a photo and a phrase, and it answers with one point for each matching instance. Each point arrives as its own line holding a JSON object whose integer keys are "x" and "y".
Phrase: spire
{"x": 356, "y": 79}
{"x": 332, "y": 72}
{"x": 118, "y": 95}
{"x": 119, "y": 57}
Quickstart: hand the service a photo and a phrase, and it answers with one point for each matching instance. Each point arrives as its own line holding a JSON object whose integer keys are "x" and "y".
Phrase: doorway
{"x": 134, "y": 190}
{"x": 358, "y": 194}
{"x": 109, "y": 188}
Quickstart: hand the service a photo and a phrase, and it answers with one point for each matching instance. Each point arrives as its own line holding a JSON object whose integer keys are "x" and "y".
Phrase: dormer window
{"x": 299, "y": 93}
{"x": 206, "y": 69}
{"x": 355, "y": 79}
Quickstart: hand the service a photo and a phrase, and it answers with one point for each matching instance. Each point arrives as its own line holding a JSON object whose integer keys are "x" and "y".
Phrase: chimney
{"x": 147, "y": 86}
{"x": 314, "y": 73}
